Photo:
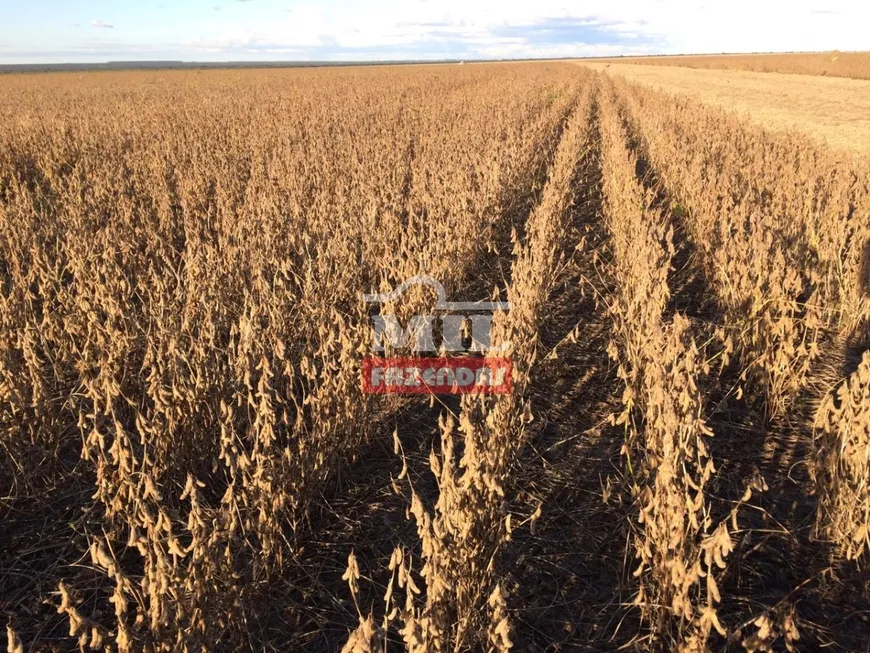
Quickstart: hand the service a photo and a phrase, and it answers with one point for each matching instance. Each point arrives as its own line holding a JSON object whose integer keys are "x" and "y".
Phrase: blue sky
{"x": 36, "y": 31}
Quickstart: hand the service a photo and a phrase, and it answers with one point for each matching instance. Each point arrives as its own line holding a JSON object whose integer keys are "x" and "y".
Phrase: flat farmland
{"x": 200, "y": 269}
{"x": 832, "y": 110}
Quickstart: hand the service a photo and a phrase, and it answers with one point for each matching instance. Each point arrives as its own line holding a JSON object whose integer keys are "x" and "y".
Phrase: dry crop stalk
{"x": 678, "y": 545}
{"x": 465, "y": 604}
{"x": 187, "y": 299}
{"x": 842, "y": 465}
{"x": 784, "y": 261}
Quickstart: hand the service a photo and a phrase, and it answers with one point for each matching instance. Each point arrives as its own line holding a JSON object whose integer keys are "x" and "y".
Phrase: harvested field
{"x": 832, "y": 64}
{"x": 189, "y": 460}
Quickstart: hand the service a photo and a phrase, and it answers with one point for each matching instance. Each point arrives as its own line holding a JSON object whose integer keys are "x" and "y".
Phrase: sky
{"x": 93, "y": 31}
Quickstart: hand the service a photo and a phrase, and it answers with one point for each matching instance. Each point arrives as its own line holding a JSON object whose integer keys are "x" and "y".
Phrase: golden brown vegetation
{"x": 830, "y": 109}
{"x": 183, "y": 436}
{"x": 661, "y": 367}
{"x": 836, "y": 64}
{"x": 462, "y": 536}
{"x": 183, "y": 271}
{"x": 778, "y": 225}
{"x": 844, "y": 423}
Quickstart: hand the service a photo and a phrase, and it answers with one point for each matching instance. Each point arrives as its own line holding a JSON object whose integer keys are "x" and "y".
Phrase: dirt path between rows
{"x": 835, "y": 111}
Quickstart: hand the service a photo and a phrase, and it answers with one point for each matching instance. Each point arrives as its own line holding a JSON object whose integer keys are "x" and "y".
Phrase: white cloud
{"x": 437, "y": 29}
{"x": 750, "y": 25}
{"x": 522, "y": 28}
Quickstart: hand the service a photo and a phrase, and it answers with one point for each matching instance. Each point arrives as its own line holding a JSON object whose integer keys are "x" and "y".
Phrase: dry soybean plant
{"x": 679, "y": 547}
{"x": 783, "y": 260}
{"x": 465, "y": 605}
{"x": 183, "y": 256}
{"x": 185, "y": 302}
{"x": 842, "y": 469}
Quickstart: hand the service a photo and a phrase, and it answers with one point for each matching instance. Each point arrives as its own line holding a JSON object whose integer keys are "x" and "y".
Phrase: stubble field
{"x": 187, "y": 459}
{"x": 855, "y": 65}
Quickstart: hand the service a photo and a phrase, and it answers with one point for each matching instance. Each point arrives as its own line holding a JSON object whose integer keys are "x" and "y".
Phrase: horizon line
{"x": 157, "y": 64}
